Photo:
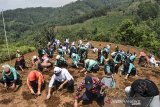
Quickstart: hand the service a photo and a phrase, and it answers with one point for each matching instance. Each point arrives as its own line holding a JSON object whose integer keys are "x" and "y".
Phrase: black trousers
{"x": 95, "y": 68}
{"x": 34, "y": 86}
{"x": 69, "y": 85}
{"x": 9, "y": 82}
{"x": 88, "y": 97}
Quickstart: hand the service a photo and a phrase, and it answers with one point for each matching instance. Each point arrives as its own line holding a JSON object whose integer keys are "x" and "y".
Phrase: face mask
{"x": 58, "y": 74}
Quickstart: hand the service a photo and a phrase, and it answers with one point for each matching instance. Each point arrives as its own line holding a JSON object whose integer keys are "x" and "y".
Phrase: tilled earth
{"x": 23, "y": 98}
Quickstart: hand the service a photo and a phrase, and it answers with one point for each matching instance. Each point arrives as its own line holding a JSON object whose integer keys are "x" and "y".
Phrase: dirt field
{"x": 23, "y": 98}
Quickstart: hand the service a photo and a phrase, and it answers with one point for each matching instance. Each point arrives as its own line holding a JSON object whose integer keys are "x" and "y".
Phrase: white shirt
{"x": 58, "y": 42}
{"x": 152, "y": 60}
{"x": 64, "y": 48}
{"x": 80, "y": 42}
{"x": 67, "y": 40}
{"x": 108, "y": 47}
{"x": 65, "y": 75}
{"x": 95, "y": 49}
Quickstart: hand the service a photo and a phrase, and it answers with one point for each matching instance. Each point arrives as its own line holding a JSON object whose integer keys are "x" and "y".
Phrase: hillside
{"x": 136, "y": 24}
{"x": 25, "y": 27}
{"x": 19, "y": 21}
{"x": 64, "y": 99}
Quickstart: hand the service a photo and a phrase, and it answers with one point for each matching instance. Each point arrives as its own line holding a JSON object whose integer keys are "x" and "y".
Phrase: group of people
{"x": 94, "y": 87}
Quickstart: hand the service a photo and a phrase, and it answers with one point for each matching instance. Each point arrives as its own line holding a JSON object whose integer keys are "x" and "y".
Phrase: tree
{"x": 82, "y": 33}
{"x": 147, "y": 10}
{"x": 126, "y": 32}
{"x": 45, "y": 36}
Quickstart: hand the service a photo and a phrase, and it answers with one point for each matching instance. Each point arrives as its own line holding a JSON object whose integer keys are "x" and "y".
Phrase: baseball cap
{"x": 88, "y": 83}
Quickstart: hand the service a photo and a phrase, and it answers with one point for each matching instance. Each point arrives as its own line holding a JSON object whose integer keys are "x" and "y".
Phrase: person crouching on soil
{"x": 90, "y": 65}
{"x": 60, "y": 79}
{"x": 145, "y": 91}
{"x": 10, "y": 77}
{"x": 34, "y": 61}
{"x": 35, "y": 82}
{"x": 75, "y": 60}
{"x": 20, "y": 62}
{"x": 46, "y": 62}
{"x": 94, "y": 90}
{"x": 60, "y": 61}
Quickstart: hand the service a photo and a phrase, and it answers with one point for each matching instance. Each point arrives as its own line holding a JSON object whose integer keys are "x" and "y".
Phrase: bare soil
{"x": 23, "y": 98}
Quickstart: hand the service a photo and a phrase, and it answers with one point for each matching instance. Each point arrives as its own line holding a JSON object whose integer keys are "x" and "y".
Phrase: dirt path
{"x": 22, "y": 98}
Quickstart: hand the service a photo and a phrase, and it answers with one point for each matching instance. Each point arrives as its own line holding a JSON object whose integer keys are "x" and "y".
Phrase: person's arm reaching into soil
{"x": 29, "y": 86}
{"x": 61, "y": 86}
{"x": 80, "y": 88}
{"x": 15, "y": 77}
{"x": 75, "y": 103}
{"x": 39, "y": 85}
{"x": 84, "y": 69}
{"x": 50, "y": 86}
{"x": 4, "y": 79}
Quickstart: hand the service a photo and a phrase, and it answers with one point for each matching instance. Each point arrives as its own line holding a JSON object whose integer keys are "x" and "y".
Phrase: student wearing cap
{"x": 90, "y": 65}
{"x": 35, "y": 82}
{"x": 75, "y": 60}
{"x": 10, "y": 77}
{"x": 94, "y": 89}
{"x": 60, "y": 61}
{"x": 61, "y": 78}
{"x": 73, "y": 49}
{"x": 144, "y": 90}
